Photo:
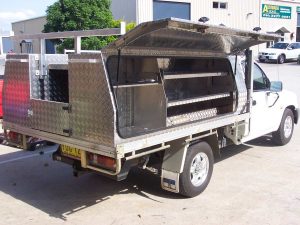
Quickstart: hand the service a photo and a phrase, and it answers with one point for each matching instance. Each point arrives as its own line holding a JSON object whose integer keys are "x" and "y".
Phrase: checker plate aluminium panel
{"x": 16, "y": 90}
{"x": 38, "y": 81}
{"x": 92, "y": 117}
{"x": 50, "y": 116}
{"x": 190, "y": 117}
{"x": 35, "y": 86}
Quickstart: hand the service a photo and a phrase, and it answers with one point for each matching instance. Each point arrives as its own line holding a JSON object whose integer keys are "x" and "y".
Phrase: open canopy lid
{"x": 183, "y": 35}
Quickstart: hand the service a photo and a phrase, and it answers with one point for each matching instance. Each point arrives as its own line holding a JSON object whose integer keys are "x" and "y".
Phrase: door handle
{"x": 254, "y": 102}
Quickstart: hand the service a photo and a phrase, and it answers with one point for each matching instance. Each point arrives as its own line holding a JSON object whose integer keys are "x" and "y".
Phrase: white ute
{"x": 166, "y": 96}
{"x": 280, "y": 52}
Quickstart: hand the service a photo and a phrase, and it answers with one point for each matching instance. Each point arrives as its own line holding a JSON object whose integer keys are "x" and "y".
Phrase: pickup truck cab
{"x": 280, "y": 52}
{"x": 274, "y": 110}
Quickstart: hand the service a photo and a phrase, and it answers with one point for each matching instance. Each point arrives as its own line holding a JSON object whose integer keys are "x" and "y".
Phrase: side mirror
{"x": 276, "y": 86}
{"x": 289, "y": 48}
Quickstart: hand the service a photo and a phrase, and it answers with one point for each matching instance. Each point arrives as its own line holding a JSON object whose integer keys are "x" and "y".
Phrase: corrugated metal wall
{"x": 245, "y": 14}
{"x": 144, "y": 10}
{"x": 239, "y": 15}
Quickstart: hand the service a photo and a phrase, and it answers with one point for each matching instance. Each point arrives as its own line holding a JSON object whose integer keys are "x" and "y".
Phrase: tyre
{"x": 197, "y": 171}
{"x": 281, "y": 59}
{"x": 285, "y": 131}
{"x": 262, "y": 60}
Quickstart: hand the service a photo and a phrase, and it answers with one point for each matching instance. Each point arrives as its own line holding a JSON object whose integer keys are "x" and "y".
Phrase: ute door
{"x": 261, "y": 121}
{"x": 292, "y": 51}
{"x": 297, "y": 49}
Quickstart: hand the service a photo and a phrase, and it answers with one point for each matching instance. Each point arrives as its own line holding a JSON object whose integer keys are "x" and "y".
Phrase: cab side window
{"x": 293, "y": 46}
{"x": 260, "y": 81}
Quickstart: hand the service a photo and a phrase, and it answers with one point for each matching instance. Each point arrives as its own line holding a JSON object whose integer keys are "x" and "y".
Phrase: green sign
{"x": 276, "y": 11}
{"x": 298, "y": 9}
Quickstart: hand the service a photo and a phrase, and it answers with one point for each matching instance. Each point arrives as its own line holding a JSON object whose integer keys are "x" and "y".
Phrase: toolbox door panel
{"x": 50, "y": 116}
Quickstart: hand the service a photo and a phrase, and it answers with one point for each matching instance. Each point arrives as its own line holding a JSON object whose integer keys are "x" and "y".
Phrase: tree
{"x": 70, "y": 15}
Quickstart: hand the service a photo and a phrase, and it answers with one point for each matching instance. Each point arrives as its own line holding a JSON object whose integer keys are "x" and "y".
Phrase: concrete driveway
{"x": 255, "y": 183}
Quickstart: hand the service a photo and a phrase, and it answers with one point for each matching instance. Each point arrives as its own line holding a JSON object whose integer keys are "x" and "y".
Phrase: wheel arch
{"x": 212, "y": 141}
{"x": 293, "y": 108}
{"x": 283, "y": 54}
{"x": 284, "y": 133}
{"x": 175, "y": 157}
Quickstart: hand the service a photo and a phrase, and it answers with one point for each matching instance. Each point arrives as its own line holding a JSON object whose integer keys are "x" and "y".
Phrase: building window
{"x": 166, "y": 9}
{"x": 223, "y": 5}
{"x": 220, "y": 5}
{"x": 7, "y": 45}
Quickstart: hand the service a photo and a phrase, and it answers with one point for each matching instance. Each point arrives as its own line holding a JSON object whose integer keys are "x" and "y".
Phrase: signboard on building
{"x": 276, "y": 11}
{"x": 298, "y": 9}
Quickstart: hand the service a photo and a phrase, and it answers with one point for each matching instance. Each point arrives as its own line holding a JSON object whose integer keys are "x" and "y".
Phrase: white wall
{"x": 239, "y": 14}
{"x": 245, "y": 14}
{"x": 144, "y": 11}
{"x": 234, "y": 16}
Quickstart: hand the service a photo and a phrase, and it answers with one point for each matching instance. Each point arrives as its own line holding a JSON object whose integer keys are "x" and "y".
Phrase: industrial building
{"x": 272, "y": 16}
{"x": 30, "y": 26}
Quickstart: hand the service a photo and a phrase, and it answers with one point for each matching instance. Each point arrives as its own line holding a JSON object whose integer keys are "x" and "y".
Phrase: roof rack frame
{"x": 76, "y": 35}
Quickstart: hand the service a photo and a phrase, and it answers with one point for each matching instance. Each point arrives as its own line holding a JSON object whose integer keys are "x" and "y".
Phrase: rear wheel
{"x": 285, "y": 131}
{"x": 197, "y": 171}
{"x": 281, "y": 59}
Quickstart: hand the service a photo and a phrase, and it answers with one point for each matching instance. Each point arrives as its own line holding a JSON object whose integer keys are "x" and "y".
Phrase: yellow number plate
{"x": 70, "y": 151}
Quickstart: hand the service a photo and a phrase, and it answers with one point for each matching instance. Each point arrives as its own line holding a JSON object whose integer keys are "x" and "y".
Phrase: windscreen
{"x": 280, "y": 45}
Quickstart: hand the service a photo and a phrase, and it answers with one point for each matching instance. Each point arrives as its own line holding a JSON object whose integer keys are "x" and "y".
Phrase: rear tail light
{"x": 13, "y": 136}
{"x": 101, "y": 161}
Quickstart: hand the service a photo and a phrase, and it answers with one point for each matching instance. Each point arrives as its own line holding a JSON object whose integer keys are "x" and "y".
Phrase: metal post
{"x": 248, "y": 78}
{"x": 43, "y": 70}
{"x": 77, "y": 45}
{"x": 123, "y": 28}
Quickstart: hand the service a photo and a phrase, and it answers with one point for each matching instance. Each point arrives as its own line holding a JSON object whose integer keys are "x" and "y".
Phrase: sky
{"x": 15, "y": 10}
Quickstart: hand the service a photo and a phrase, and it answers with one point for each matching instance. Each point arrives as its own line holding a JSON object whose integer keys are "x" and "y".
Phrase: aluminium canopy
{"x": 183, "y": 35}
